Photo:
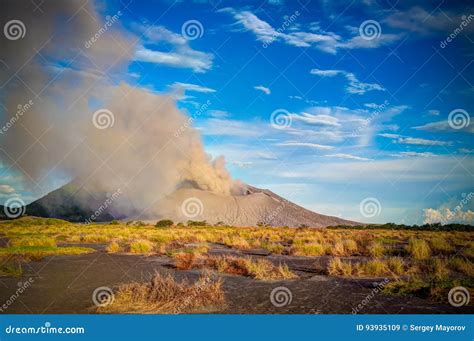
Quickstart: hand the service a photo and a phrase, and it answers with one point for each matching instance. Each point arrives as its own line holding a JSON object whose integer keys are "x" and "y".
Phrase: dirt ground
{"x": 65, "y": 284}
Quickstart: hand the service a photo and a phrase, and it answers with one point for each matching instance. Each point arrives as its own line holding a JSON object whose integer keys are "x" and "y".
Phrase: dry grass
{"x": 113, "y": 247}
{"x": 390, "y": 267}
{"x": 164, "y": 295}
{"x": 376, "y": 249}
{"x": 259, "y": 268}
{"x": 141, "y": 246}
{"x": 313, "y": 249}
{"x": 418, "y": 249}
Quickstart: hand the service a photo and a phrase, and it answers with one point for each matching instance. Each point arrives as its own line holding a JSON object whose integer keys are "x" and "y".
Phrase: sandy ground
{"x": 64, "y": 284}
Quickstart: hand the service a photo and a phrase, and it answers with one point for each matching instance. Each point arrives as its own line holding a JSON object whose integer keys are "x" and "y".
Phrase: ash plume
{"x": 78, "y": 122}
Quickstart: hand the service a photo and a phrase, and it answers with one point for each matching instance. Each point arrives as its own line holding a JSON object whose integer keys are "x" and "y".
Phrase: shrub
{"x": 164, "y": 223}
{"x": 113, "y": 247}
{"x": 197, "y": 223}
{"x": 418, "y": 249}
{"x": 313, "y": 249}
{"x": 396, "y": 265}
{"x": 167, "y": 296}
{"x": 184, "y": 261}
{"x": 350, "y": 246}
{"x": 114, "y": 222}
{"x": 440, "y": 244}
{"x": 141, "y": 246}
{"x": 32, "y": 241}
{"x": 376, "y": 249}
{"x": 339, "y": 268}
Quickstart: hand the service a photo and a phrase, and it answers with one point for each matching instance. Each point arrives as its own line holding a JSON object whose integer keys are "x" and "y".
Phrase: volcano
{"x": 255, "y": 207}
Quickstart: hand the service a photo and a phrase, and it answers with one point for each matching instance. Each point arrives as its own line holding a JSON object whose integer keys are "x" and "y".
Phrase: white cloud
{"x": 347, "y": 156}
{"x": 414, "y": 154}
{"x": 416, "y": 141}
{"x": 305, "y": 144}
{"x": 181, "y": 55}
{"x": 265, "y": 90}
{"x": 328, "y": 42}
{"x": 444, "y": 127}
{"x": 226, "y": 127}
{"x": 446, "y": 216}
{"x": 355, "y": 86}
{"x": 319, "y": 119}
{"x": 423, "y": 142}
{"x": 191, "y": 87}
{"x": 6, "y": 189}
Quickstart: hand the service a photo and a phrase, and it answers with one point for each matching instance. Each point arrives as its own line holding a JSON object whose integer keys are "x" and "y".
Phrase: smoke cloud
{"x": 68, "y": 114}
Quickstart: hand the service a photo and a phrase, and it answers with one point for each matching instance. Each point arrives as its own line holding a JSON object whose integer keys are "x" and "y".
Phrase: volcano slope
{"x": 256, "y": 207}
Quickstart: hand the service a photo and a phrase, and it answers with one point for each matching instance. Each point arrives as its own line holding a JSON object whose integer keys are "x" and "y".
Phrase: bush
{"x": 418, "y": 249}
{"x": 164, "y": 223}
{"x": 197, "y": 223}
{"x": 141, "y": 246}
{"x": 113, "y": 247}
{"x": 376, "y": 249}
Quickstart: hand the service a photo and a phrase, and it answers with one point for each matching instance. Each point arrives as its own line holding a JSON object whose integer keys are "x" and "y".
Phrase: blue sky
{"x": 301, "y": 100}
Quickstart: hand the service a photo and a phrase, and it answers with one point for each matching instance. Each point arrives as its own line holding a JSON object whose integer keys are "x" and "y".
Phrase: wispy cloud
{"x": 355, "y": 86}
{"x": 347, "y": 156}
{"x": 443, "y": 126}
{"x": 415, "y": 141}
{"x": 181, "y": 55}
{"x": 305, "y": 144}
{"x": 190, "y": 87}
{"x": 263, "y": 89}
{"x": 328, "y": 42}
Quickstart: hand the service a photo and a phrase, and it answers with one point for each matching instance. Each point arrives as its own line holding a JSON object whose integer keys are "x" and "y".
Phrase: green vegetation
{"x": 164, "y": 223}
